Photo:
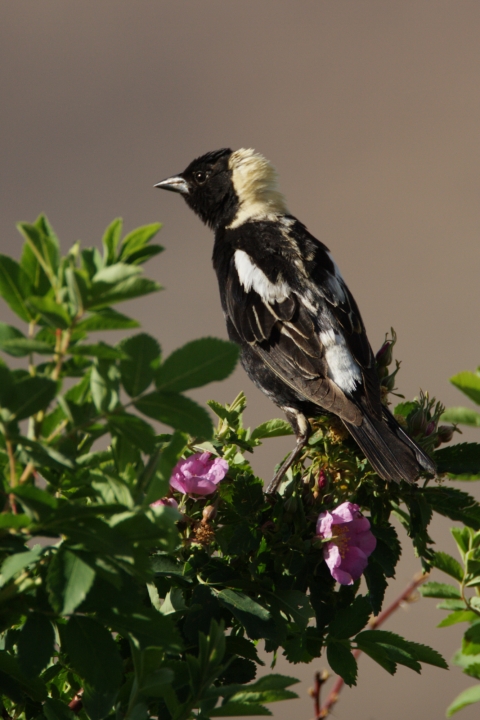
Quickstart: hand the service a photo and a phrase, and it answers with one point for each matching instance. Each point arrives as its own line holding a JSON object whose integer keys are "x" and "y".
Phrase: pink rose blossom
{"x": 169, "y": 502}
{"x": 198, "y": 474}
{"x": 351, "y": 542}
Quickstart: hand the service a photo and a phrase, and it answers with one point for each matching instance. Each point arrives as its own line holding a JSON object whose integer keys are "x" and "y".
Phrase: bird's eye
{"x": 200, "y": 177}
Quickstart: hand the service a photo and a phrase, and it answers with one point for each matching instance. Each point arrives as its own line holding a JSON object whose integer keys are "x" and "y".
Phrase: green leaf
{"x": 350, "y": 620}
{"x": 177, "y": 411}
{"x": 400, "y": 650}
{"x": 405, "y": 408}
{"x": 133, "y": 429}
{"x": 239, "y": 601}
{"x": 54, "y": 313}
{"x": 467, "y": 697}
{"x": 14, "y": 563}
{"x": 35, "y": 644}
{"x": 92, "y": 652}
{"x": 461, "y": 416}
{"x": 458, "y": 459}
{"x": 104, "y": 386}
{"x": 44, "y": 245}
{"x": 34, "y": 687}
{"x": 235, "y": 709}
{"x": 57, "y": 710}
{"x": 469, "y": 383}
{"x": 440, "y": 590}
{"x": 237, "y": 645}
{"x": 342, "y": 662}
{"x": 30, "y": 395}
{"x": 297, "y": 605}
{"x": 272, "y": 428}
{"x": 15, "y": 286}
{"x": 9, "y": 520}
{"x": 471, "y": 641}
{"x": 110, "y": 240}
{"x": 137, "y": 239}
{"x": 142, "y": 353}
{"x": 69, "y": 579}
{"x": 458, "y": 616}
{"x": 8, "y": 332}
{"x": 99, "y": 350}
{"x": 198, "y": 363}
{"x": 21, "y": 346}
{"x": 453, "y": 503}
{"x": 448, "y": 564}
{"x": 106, "y": 319}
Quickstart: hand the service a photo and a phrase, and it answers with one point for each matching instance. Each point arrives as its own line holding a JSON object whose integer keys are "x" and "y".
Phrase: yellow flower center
{"x": 340, "y": 538}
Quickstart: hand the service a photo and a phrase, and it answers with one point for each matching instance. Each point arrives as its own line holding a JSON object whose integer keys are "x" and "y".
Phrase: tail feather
{"x": 390, "y": 451}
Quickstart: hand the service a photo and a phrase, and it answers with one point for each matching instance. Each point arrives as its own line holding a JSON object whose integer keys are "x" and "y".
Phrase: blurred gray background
{"x": 370, "y": 112}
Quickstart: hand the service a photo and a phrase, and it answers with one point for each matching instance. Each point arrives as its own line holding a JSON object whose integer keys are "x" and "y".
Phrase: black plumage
{"x": 302, "y": 336}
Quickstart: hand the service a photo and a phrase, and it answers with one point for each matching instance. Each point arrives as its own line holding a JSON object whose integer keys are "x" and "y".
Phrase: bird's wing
{"x": 312, "y": 336}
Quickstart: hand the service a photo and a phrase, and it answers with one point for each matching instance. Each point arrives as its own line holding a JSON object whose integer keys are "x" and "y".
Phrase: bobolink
{"x": 302, "y": 338}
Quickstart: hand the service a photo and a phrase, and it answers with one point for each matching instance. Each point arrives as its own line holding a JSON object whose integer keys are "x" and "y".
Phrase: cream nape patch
{"x": 256, "y": 184}
{"x": 251, "y": 277}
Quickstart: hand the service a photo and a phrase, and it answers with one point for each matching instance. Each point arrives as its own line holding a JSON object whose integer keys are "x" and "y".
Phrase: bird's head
{"x": 227, "y": 188}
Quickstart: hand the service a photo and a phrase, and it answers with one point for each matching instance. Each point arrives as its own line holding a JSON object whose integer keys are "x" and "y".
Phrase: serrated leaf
{"x": 133, "y": 429}
{"x": 236, "y": 645}
{"x": 350, "y": 620}
{"x": 198, "y": 363}
{"x": 34, "y": 687}
{"x": 405, "y": 408}
{"x": 411, "y": 653}
{"x": 467, "y": 697}
{"x": 458, "y": 459}
{"x": 440, "y": 590}
{"x": 69, "y": 580}
{"x": 447, "y": 564}
{"x": 272, "y": 428}
{"x": 21, "y": 346}
{"x": 104, "y": 386}
{"x": 461, "y": 416}
{"x": 377, "y": 585}
{"x": 142, "y": 353}
{"x": 177, "y": 411}
{"x": 106, "y": 319}
{"x": 342, "y": 662}
{"x": 469, "y": 383}
{"x": 162, "y": 469}
{"x": 453, "y": 503}
{"x": 35, "y": 644}
{"x": 296, "y": 605}
{"x": 44, "y": 244}
{"x": 92, "y": 652}
{"x": 15, "y": 286}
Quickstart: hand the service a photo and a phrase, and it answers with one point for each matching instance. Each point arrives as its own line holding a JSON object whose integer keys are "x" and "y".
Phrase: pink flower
{"x": 169, "y": 502}
{"x": 350, "y": 542}
{"x": 198, "y": 475}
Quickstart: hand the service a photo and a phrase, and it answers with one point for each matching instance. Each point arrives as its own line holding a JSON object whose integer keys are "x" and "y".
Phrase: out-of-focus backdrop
{"x": 371, "y": 113}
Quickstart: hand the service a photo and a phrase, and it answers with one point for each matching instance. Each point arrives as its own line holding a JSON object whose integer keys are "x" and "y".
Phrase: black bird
{"x": 302, "y": 338}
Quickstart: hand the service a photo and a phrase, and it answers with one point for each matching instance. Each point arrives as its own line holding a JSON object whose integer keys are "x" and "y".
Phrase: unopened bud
{"x": 291, "y": 505}
{"x": 430, "y": 428}
{"x": 321, "y": 480}
{"x": 445, "y": 433}
{"x": 385, "y": 355}
{"x": 417, "y": 422}
{"x": 389, "y": 382}
{"x": 209, "y": 513}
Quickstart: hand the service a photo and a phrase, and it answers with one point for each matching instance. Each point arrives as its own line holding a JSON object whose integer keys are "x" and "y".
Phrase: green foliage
{"x": 146, "y": 610}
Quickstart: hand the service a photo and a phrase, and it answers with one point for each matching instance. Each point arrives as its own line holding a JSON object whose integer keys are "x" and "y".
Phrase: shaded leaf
{"x": 92, "y": 652}
{"x": 440, "y": 590}
{"x": 458, "y": 459}
{"x": 137, "y": 368}
{"x": 69, "y": 579}
{"x": 35, "y": 644}
{"x": 448, "y": 564}
{"x": 54, "y": 313}
{"x": 15, "y": 286}
{"x": 197, "y": 363}
{"x": 106, "y": 319}
{"x": 177, "y": 411}
{"x": 350, "y": 620}
{"x": 8, "y": 332}
{"x": 342, "y": 662}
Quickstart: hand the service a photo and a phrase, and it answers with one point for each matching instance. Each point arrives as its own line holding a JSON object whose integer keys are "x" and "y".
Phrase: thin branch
{"x": 407, "y": 596}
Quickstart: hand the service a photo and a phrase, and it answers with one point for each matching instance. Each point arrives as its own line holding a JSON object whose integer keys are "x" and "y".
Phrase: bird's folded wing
{"x": 286, "y": 337}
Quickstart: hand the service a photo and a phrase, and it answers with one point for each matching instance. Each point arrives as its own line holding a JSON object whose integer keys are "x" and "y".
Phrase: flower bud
{"x": 209, "y": 513}
{"x": 417, "y": 422}
{"x": 385, "y": 355}
{"x": 321, "y": 480}
{"x": 445, "y": 433}
{"x": 430, "y": 428}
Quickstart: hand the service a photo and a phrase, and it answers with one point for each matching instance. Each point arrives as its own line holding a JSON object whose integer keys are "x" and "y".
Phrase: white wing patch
{"x": 342, "y": 368}
{"x": 251, "y": 277}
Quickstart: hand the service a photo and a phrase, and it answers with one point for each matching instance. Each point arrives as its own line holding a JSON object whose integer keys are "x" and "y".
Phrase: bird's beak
{"x": 174, "y": 184}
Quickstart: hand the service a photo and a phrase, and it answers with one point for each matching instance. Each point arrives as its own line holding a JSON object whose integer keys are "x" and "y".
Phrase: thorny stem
{"x": 405, "y": 597}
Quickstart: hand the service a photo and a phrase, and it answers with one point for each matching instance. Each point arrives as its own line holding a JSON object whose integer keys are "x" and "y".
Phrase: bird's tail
{"x": 390, "y": 451}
